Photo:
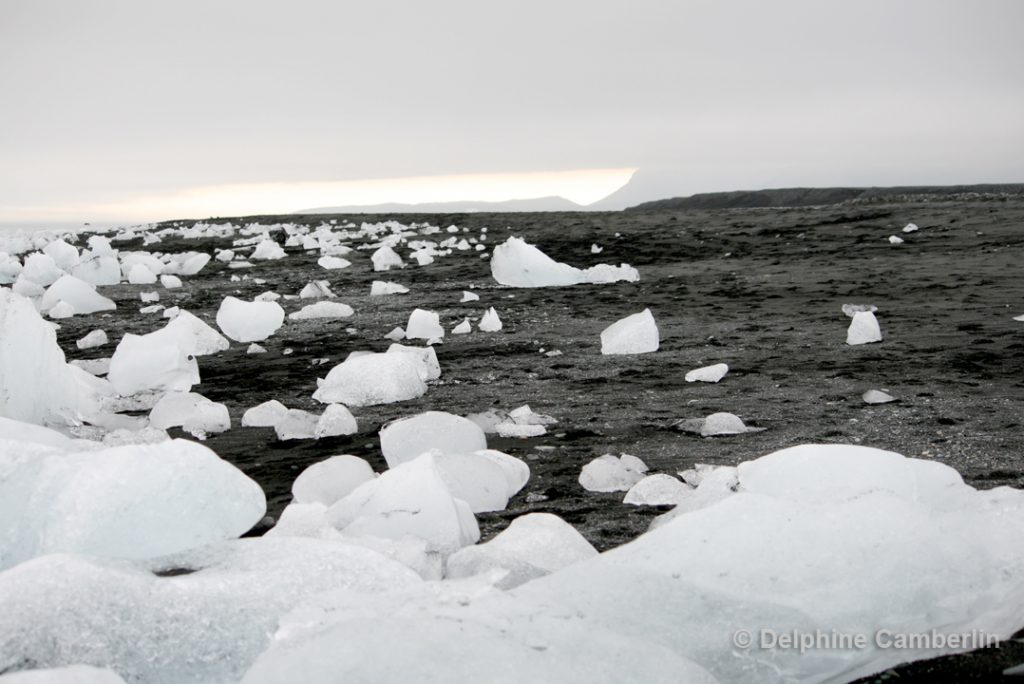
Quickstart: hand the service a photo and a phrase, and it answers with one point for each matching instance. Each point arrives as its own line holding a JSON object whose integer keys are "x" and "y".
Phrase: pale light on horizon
{"x": 582, "y": 186}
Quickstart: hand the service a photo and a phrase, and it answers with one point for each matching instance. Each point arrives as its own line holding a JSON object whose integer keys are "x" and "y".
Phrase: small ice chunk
{"x": 372, "y": 379}
{"x": 404, "y": 439}
{"x": 297, "y": 424}
{"x": 708, "y": 373}
{"x": 657, "y": 490}
{"x": 489, "y": 420}
{"x": 609, "y": 473}
{"x": 329, "y": 481}
{"x": 462, "y": 328}
{"x": 149, "y": 297}
{"x": 266, "y": 414}
{"x": 333, "y": 263}
{"x": 249, "y": 321}
{"x": 863, "y": 329}
{"x": 877, "y": 397}
{"x": 386, "y": 258}
{"x": 490, "y": 321}
{"x": 851, "y": 309}
{"x": 910, "y": 228}
{"x": 335, "y": 420}
{"x": 636, "y": 334}
{"x": 723, "y": 423}
{"x": 170, "y": 282}
{"x": 78, "y": 293}
{"x": 62, "y": 310}
{"x": 424, "y": 325}
{"x": 194, "y": 264}
{"x": 596, "y": 249}
{"x": 267, "y": 250}
{"x": 519, "y": 431}
{"x": 895, "y": 240}
{"x": 468, "y": 296}
{"x": 397, "y": 334}
{"x": 330, "y": 310}
{"x": 317, "y": 289}
{"x": 379, "y": 288}
{"x": 255, "y": 349}
{"x": 192, "y": 412}
{"x": 141, "y": 275}
{"x": 225, "y": 255}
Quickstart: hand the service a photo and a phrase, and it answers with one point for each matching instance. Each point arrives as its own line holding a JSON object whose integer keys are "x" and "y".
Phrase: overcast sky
{"x": 104, "y": 102}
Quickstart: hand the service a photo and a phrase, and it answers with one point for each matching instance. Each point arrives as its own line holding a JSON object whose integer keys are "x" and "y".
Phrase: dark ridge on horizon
{"x": 806, "y": 197}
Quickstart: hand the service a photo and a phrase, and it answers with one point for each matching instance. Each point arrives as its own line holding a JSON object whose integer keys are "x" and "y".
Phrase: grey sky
{"x": 101, "y": 100}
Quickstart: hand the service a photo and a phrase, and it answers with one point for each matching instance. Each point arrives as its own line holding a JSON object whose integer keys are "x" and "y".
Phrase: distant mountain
{"x": 803, "y": 197}
{"x": 525, "y": 205}
{"x": 644, "y": 186}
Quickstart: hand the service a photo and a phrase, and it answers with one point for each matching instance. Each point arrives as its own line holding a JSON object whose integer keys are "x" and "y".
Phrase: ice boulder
{"x": 462, "y": 328}
{"x": 98, "y": 268}
{"x": 385, "y": 259}
{"x": 61, "y": 310}
{"x": 78, "y": 293}
{"x": 723, "y": 423}
{"x": 380, "y": 288}
{"x": 194, "y": 263}
{"x": 334, "y": 421}
{"x": 64, "y": 255}
{"x": 480, "y": 481}
{"x": 609, "y": 473}
{"x": 372, "y": 379}
{"x": 207, "y": 340}
{"x": 332, "y": 263}
{"x": 490, "y": 321}
{"x": 192, "y": 412}
{"x": 863, "y": 329}
{"x": 910, "y": 228}
{"x": 329, "y": 481}
{"x": 249, "y": 321}
{"x": 296, "y": 424}
{"x": 519, "y": 264}
{"x": 657, "y": 490}
{"x": 163, "y": 360}
{"x": 404, "y": 439}
{"x": 410, "y": 499}
{"x": 424, "y": 325}
{"x": 636, "y": 334}
{"x": 322, "y": 310}
{"x": 534, "y": 545}
{"x": 266, "y": 414}
{"x": 708, "y": 373}
{"x": 36, "y": 383}
{"x": 317, "y": 289}
{"x": 141, "y": 275}
{"x": 267, "y": 250}
{"x": 40, "y": 269}
{"x": 134, "y": 501}
{"x": 430, "y": 368}
{"x": 170, "y": 282}
{"x": 198, "y": 616}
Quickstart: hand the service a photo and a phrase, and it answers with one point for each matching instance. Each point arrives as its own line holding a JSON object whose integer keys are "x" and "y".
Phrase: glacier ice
{"x": 708, "y": 373}
{"x": 266, "y": 414}
{"x": 161, "y": 360}
{"x": 657, "y": 490}
{"x": 267, "y": 250}
{"x": 863, "y": 329}
{"x": 404, "y": 439}
{"x": 609, "y": 473}
{"x": 636, "y": 334}
{"x": 877, "y": 397}
{"x": 372, "y": 379}
{"x": 425, "y": 325}
{"x": 331, "y": 480}
{"x": 192, "y": 412}
{"x": 249, "y": 321}
{"x": 322, "y": 310}
{"x": 385, "y": 259}
{"x": 78, "y": 293}
{"x": 379, "y": 288}
{"x": 490, "y": 321}
{"x": 520, "y": 264}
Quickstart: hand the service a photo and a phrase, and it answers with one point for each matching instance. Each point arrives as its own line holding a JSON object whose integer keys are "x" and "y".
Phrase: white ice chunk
{"x": 61, "y": 310}
{"x": 40, "y": 269}
{"x": 863, "y": 329}
{"x": 708, "y": 373}
{"x": 519, "y": 264}
{"x": 329, "y": 481}
{"x": 170, "y": 282}
{"x": 194, "y": 264}
{"x": 249, "y": 321}
{"x": 424, "y": 325}
{"x": 332, "y": 263}
{"x": 317, "y": 289}
{"x": 78, "y": 293}
{"x": 266, "y": 414}
{"x": 404, "y": 439}
{"x": 72, "y": 674}
{"x": 425, "y": 356}
{"x": 162, "y": 360}
{"x": 657, "y": 490}
{"x": 267, "y": 250}
{"x": 64, "y": 255}
{"x": 335, "y": 420}
{"x": 462, "y": 328}
{"x": 190, "y": 411}
{"x": 609, "y": 473}
{"x": 141, "y": 275}
{"x": 877, "y": 397}
{"x": 297, "y": 424}
{"x": 379, "y": 288}
{"x": 490, "y": 321}
{"x": 322, "y": 310}
{"x": 372, "y": 379}
{"x": 534, "y": 545}
{"x": 385, "y": 259}
{"x": 636, "y": 334}
{"x": 468, "y": 296}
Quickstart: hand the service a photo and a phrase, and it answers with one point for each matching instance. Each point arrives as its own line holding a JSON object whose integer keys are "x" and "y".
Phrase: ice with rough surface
{"x": 78, "y": 293}
{"x": 385, "y": 259}
{"x": 267, "y": 250}
{"x": 636, "y": 334}
{"x": 519, "y": 264}
{"x": 318, "y": 289}
{"x": 205, "y": 625}
{"x": 404, "y": 439}
{"x": 708, "y": 373}
{"x": 297, "y": 424}
{"x": 408, "y": 499}
{"x": 162, "y": 360}
{"x": 609, "y": 473}
{"x": 423, "y": 325}
{"x": 133, "y": 501}
{"x": 372, "y": 379}
{"x": 335, "y": 420}
{"x": 380, "y": 288}
{"x": 851, "y": 309}
{"x": 533, "y": 545}
{"x": 329, "y": 481}
{"x": 207, "y": 340}
{"x": 249, "y": 321}
{"x": 192, "y": 412}
{"x": 430, "y": 368}
{"x": 863, "y": 329}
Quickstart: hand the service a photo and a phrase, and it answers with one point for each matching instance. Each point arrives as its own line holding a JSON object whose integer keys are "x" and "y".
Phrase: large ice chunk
{"x": 128, "y": 502}
{"x": 519, "y": 264}
{"x": 404, "y": 439}
{"x": 385, "y": 259}
{"x": 534, "y": 545}
{"x": 192, "y": 412}
{"x": 162, "y": 360}
{"x": 249, "y": 321}
{"x": 207, "y": 340}
{"x": 424, "y": 325}
{"x": 372, "y": 379}
{"x": 78, "y": 293}
{"x": 328, "y": 310}
{"x": 267, "y": 250}
{"x": 329, "y": 481}
{"x": 266, "y": 414}
{"x": 636, "y": 334}
{"x": 609, "y": 473}
{"x": 410, "y": 499}
{"x": 425, "y": 356}
{"x": 863, "y": 329}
